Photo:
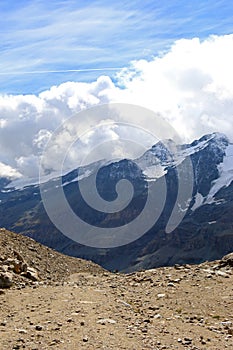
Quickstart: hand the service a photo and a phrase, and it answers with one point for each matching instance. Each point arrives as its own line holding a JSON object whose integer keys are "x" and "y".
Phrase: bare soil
{"x": 78, "y": 305}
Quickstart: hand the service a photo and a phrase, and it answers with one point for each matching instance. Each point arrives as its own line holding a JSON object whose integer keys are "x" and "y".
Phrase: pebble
{"x": 22, "y": 331}
{"x": 222, "y": 274}
{"x": 85, "y": 339}
{"x": 170, "y": 284}
{"x": 161, "y": 295}
{"x": 103, "y": 321}
{"x": 157, "y": 316}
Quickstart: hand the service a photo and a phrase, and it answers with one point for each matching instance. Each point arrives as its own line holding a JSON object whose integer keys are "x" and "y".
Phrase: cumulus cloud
{"x": 28, "y": 121}
{"x": 9, "y": 172}
{"x": 190, "y": 86}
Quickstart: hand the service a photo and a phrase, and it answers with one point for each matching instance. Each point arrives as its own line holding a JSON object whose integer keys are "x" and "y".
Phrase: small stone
{"x": 153, "y": 308}
{"x": 85, "y": 339}
{"x": 22, "y": 331}
{"x": 178, "y": 267}
{"x": 170, "y": 284}
{"x": 222, "y": 274}
{"x": 38, "y": 327}
{"x": 161, "y": 295}
{"x": 103, "y": 321}
{"x": 54, "y": 342}
{"x": 177, "y": 280}
{"x": 187, "y": 341}
{"x": 147, "y": 320}
{"x": 144, "y": 330}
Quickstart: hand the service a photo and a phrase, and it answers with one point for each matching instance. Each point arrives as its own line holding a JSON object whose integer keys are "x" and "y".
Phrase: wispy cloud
{"x": 69, "y": 35}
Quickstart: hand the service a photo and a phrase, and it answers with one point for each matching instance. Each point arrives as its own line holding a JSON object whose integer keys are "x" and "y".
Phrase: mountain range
{"x": 205, "y": 230}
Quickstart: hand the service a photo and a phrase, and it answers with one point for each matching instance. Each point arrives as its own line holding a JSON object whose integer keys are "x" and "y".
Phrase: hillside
{"x": 23, "y": 256}
{"x": 77, "y": 305}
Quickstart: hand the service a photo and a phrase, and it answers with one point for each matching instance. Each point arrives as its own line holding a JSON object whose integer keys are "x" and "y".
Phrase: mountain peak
{"x": 220, "y": 136}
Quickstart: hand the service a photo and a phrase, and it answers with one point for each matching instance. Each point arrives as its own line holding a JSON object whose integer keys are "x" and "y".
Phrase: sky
{"x": 60, "y": 57}
{"x": 38, "y": 36}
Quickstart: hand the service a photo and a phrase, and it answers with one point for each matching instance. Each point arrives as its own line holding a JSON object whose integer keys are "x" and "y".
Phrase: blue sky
{"x": 38, "y": 37}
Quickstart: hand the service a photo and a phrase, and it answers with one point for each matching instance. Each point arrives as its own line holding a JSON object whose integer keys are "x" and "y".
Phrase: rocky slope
{"x": 84, "y": 307}
{"x": 24, "y": 261}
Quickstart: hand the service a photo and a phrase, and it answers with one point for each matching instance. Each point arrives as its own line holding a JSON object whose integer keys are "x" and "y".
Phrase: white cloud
{"x": 41, "y": 139}
{"x": 27, "y": 121}
{"x": 190, "y": 86}
{"x": 28, "y": 165}
{"x": 9, "y": 172}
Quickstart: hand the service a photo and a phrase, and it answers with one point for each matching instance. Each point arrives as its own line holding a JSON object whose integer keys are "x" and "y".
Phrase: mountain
{"x": 205, "y": 230}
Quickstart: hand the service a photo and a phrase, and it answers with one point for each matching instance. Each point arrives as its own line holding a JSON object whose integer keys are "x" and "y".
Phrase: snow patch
{"x": 78, "y": 178}
{"x": 155, "y": 172}
{"x": 225, "y": 174}
{"x": 199, "y": 200}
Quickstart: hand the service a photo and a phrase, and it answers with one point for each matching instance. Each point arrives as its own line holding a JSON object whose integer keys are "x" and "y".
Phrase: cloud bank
{"x": 190, "y": 86}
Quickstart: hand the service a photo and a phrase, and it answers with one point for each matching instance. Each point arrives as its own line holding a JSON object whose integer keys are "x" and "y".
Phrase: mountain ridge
{"x": 207, "y": 225}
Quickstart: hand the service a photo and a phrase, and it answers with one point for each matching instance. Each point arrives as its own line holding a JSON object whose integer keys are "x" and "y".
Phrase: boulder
{"x": 6, "y": 280}
{"x": 31, "y": 274}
